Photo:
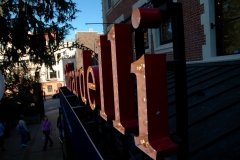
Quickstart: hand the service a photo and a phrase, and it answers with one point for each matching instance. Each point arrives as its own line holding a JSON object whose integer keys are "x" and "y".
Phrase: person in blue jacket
{"x": 23, "y": 131}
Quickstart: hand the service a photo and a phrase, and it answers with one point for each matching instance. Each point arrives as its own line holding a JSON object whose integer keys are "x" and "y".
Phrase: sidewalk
{"x": 34, "y": 149}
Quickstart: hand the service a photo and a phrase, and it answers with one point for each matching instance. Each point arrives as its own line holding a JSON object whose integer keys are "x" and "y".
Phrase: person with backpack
{"x": 47, "y": 129}
{"x": 22, "y": 130}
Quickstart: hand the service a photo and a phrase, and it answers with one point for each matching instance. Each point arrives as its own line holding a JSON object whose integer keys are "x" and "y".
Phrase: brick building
{"x": 211, "y": 27}
{"x": 88, "y": 39}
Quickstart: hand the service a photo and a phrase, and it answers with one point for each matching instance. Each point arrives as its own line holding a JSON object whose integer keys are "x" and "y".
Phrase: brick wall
{"x": 88, "y": 39}
{"x": 124, "y": 7}
{"x": 193, "y": 30}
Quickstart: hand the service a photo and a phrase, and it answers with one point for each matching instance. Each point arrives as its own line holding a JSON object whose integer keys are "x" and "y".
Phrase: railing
{"x": 79, "y": 144}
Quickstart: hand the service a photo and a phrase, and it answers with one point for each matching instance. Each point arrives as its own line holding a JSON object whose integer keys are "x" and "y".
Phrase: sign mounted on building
{"x": 112, "y": 83}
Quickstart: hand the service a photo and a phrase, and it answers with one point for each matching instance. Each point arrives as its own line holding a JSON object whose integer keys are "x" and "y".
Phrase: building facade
{"x": 211, "y": 27}
{"x": 52, "y": 80}
{"x": 88, "y": 39}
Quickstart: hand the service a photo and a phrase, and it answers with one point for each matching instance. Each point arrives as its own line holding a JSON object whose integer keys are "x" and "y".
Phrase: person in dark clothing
{"x": 44, "y": 96}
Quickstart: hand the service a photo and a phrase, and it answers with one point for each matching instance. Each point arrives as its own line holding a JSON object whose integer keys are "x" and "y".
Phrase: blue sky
{"x": 91, "y": 12}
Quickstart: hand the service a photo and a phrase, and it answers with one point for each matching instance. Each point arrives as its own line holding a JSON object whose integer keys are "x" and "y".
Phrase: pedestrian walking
{"x": 2, "y": 128}
{"x": 47, "y": 129}
{"x": 23, "y": 131}
{"x": 44, "y": 96}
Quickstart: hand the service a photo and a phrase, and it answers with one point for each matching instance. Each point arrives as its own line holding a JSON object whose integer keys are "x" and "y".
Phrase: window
{"x": 53, "y": 74}
{"x": 49, "y": 87}
{"x": 227, "y": 26}
{"x": 165, "y": 30}
{"x": 163, "y": 36}
{"x": 146, "y": 40}
{"x": 109, "y": 4}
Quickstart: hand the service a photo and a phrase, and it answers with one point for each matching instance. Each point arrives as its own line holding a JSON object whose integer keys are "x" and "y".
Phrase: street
{"x": 51, "y": 104}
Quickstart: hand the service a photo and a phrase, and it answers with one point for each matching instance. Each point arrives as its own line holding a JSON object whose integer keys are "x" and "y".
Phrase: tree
{"x": 30, "y": 30}
{"x": 33, "y": 29}
{"x": 18, "y": 98}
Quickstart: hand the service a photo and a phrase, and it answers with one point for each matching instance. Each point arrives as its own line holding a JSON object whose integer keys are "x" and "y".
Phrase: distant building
{"x": 88, "y": 39}
{"x": 53, "y": 79}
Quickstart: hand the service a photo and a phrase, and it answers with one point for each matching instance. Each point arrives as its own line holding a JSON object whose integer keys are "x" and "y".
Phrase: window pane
{"x": 53, "y": 74}
{"x": 146, "y": 42}
{"x": 166, "y": 31}
{"x": 109, "y": 4}
{"x": 49, "y": 88}
{"x": 231, "y": 37}
{"x": 227, "y": 26}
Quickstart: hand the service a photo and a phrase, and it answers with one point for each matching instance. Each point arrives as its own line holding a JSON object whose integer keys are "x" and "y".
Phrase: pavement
{"x": 34, "y": 149}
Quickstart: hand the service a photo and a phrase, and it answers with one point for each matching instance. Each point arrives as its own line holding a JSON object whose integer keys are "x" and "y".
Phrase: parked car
{"x": 55, "y": 96}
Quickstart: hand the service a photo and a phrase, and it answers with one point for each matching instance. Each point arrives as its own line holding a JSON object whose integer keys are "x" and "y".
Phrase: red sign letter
{"x": 87, "y": 61}
{"x": 123, "y": 81}
{"x": 93, "y": 86}
{"x": 152, "y": 92}
{"x": 106, "y": 78}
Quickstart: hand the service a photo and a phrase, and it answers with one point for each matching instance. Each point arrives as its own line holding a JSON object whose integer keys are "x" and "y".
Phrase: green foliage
{"x": 18, "y": 98}
{"x": 33, "y": 29}
{"x": 30, "y": 30}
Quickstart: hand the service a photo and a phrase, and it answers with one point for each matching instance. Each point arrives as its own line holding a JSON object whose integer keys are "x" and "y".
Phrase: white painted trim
{"x": 116, "y": 2}
{"x": 209, "y": 49}
{"x": 165, "y": 48}
{"x": 161, "y": 48}
{"x": 138, "y": 4}
{"x": 217, "y": 59}
{"x": 120, "y": 19}
{"x": 108, "y": 10}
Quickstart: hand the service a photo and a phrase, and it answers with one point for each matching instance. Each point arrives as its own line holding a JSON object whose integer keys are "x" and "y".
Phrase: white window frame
{"x": 108, "y": 9}
{"x": 209, "y": 52}
{"x": 161, "y": 48}
{"x": 57, "y": 75}
{"x": 116, "y": 2}
{"x": 53, "y": 72}
{"x": 158, "y": 47}
{"x": 120, "y": 19}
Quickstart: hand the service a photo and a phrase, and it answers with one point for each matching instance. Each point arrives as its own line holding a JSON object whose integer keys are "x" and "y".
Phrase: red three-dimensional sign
{"x": 106, "y": 80}
{"x": 111, "y": 84}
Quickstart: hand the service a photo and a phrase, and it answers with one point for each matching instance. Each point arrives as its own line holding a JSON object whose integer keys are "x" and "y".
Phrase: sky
{"x": 90, "y": 12}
